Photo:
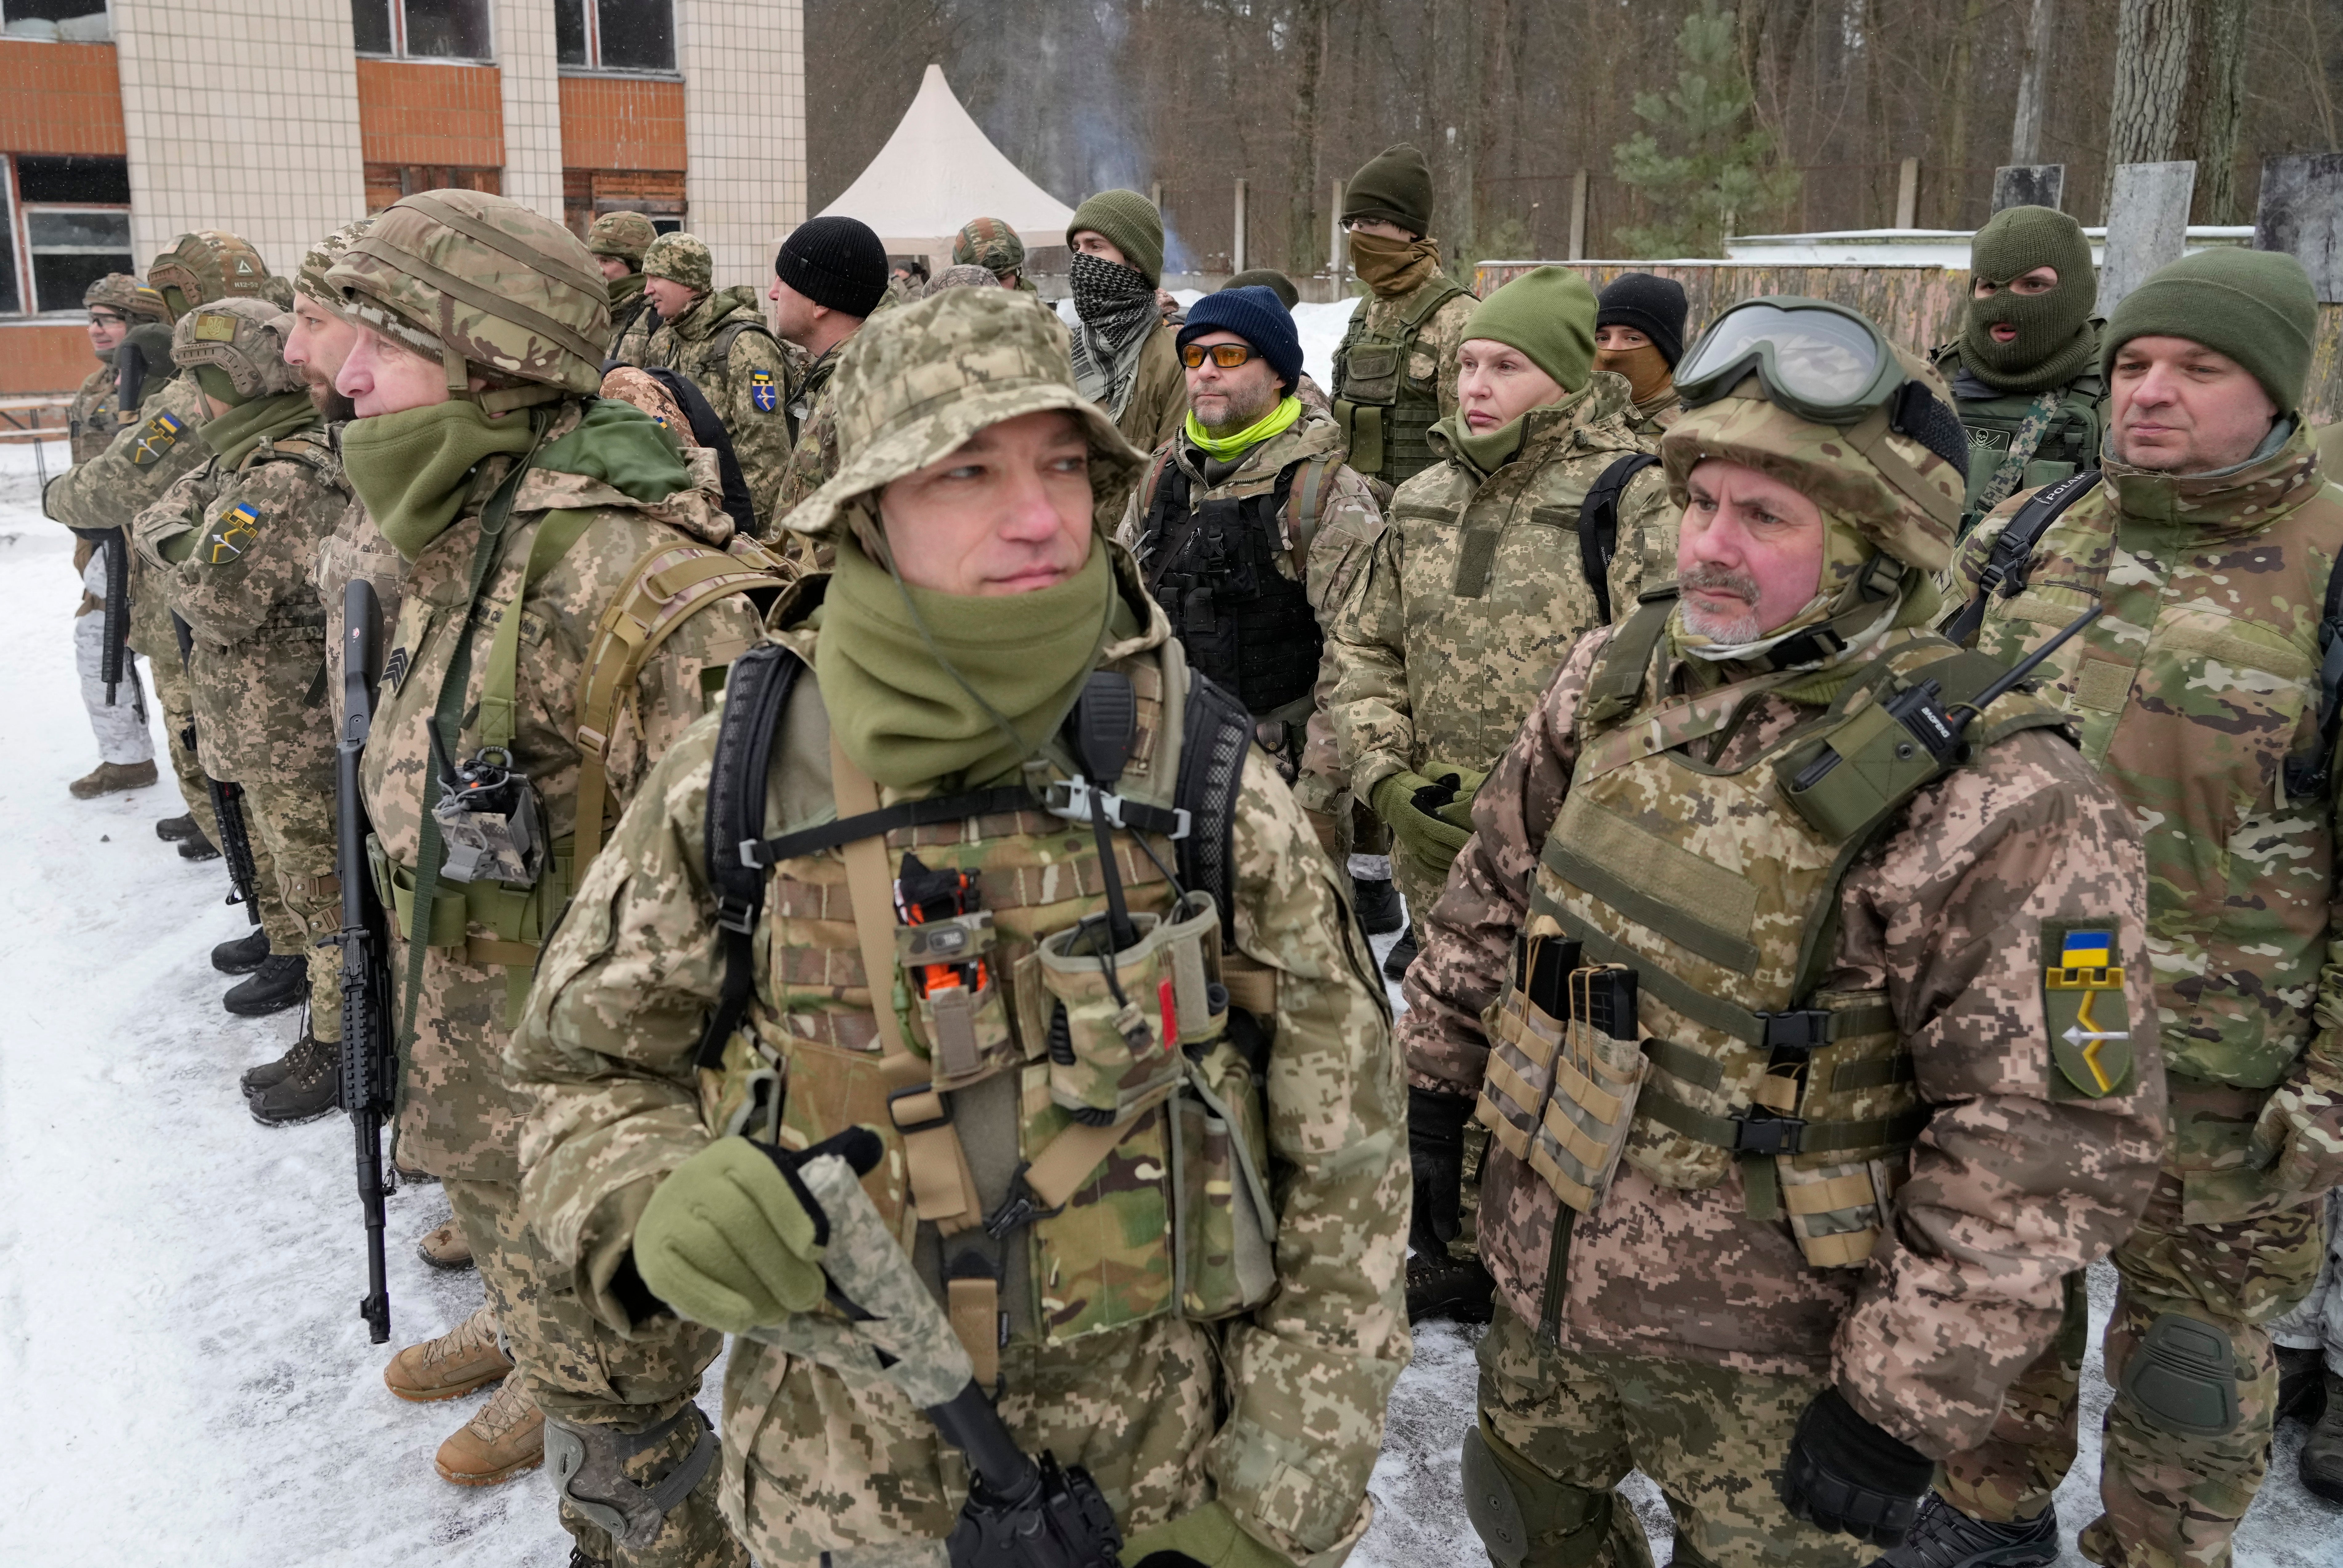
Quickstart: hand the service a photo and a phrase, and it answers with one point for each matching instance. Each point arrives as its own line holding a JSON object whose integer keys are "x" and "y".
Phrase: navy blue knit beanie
{"x": 1256, "y": 315}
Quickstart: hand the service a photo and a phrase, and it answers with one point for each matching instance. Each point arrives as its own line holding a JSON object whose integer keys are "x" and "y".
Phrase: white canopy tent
{"x": 937, "y": 171}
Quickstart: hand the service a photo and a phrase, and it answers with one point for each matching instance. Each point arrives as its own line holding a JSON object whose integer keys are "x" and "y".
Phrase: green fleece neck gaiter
{"x": 237, "y": 432}
{"x": 624, "y": 290}
{"x": 413, "y": 469}
{"x": 921, "y": 686}
{"x": 1486, "y": 451}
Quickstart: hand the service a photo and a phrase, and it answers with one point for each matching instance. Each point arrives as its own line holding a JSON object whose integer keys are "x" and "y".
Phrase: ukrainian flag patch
{"x": 234, "y": 532}
{"x": 2083, "y": 1005}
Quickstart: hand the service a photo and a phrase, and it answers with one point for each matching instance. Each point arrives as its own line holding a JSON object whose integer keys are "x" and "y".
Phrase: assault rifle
{"x": 369, "y": 1057}
{"x": 113, "y": 546}
{"x": 227, "y": 802}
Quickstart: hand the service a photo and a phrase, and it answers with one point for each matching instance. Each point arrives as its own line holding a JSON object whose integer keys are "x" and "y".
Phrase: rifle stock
{"x": 228, "y": 801}
{"x": 369, "y": 1084}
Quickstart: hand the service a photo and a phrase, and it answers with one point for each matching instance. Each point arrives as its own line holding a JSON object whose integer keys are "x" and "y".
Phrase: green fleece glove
{"x": 2301, "y": 1130}
{"x": 1208, "y": 1536}
{"x": 731, "y": 1239}
{"x": 1422, "y": 814}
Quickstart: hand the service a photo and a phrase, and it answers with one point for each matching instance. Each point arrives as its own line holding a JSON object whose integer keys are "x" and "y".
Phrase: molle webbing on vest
{"x": 1385, "y": 420}
{"x": 1212, "y": 564}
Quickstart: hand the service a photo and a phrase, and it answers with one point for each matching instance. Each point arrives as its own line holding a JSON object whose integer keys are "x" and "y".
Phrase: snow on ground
{"x": 179, "y": 1340}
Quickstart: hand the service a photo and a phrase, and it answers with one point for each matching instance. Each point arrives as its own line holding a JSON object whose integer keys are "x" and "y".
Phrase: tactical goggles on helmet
{"x": 1227, "y": 355}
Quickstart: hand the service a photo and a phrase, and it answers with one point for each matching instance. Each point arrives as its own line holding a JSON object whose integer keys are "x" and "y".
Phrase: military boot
{"x": 281, "y": 981}
{"x": 109, "y": 777}
{"x": 506, "y": 1438}
{"x": 452, "y": 1365}
{"x": 1379, "y": 906}
{"x": 1458, "y": 1288}
{"x": 193, "y": 846}
{"x": 311, "y": 1087}
{"x": 1402, "y": 954}
{"x": 2322, "y": 1450}
{"x": 242, "y": 956}
{"x": 176, "y": 829}
{"x": 447, "y": 1247}
{"x": 269, "y": 1074}
{"x": 2301, "y": 1384}
{"x": 1944, "y": 1537}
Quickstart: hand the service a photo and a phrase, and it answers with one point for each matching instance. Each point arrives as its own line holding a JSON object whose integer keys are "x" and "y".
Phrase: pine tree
{"x": 1706, "y": 167}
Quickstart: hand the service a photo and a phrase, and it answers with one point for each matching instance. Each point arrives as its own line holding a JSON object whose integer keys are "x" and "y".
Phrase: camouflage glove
{"x": 1205, "y": 1537}
{"x": 2300, "y": 1131}
{"x": 732, "y": 1239}
{"x": 1844, "y": 1474}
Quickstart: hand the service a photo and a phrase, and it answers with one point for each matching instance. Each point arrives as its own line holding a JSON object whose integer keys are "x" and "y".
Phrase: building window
{"x": 57, "y": 21}
{"x": 71, "y": 223}
{"x": 614, "y": 34}
{"x": 422, "y": 29}
{"x": 386, "y": 182}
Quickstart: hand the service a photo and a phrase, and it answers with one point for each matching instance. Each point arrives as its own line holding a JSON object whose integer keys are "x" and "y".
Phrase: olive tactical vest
{"x": 1994, "y": 421}
{"x": 1386, "y": 413}
{"x": 1723, "y": 919}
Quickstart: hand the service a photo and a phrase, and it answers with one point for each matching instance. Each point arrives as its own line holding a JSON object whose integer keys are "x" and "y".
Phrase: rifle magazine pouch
{"x": 957, "y": 1011}
{"x": 1597, "y": 1074}
{"x": 1524, "y": 1028}
{"x": 1225, "y": 1248}
{"x": 1861, "y": 1104}
{"x": 395, "y": 885}
{"x": 1115, "y": 1023}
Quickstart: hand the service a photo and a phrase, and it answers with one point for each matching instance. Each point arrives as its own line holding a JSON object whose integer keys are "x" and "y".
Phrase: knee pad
{"x": 1524, "y": 1518}
{"x": 589, "y": 1470}
{"x": 2182, "y": 1377}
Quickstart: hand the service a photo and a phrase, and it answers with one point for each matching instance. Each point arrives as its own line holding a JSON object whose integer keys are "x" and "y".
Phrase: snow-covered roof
{"x": 937, "y": 171}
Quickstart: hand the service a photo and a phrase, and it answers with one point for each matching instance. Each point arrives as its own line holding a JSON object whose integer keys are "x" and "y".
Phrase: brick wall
{"x": 60, "y": 98}
{"x": 413, "y": 113}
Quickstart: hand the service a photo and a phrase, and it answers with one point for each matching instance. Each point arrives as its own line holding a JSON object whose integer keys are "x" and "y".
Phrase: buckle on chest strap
{"x": 1798, "y": 1033}
{"x": 1765, "y": 1133}
{"x": 1078, "y": 800}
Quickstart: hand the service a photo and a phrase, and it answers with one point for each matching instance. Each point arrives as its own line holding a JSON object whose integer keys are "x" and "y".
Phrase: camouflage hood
{"x": 914, "y": 385}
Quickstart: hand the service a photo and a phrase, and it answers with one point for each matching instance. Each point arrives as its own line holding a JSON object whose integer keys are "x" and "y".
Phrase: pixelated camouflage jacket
{"x": 2014, "y": 1183}
{"x": 90, "y": 422}
{"x": 1431, "y": 363}
{"x": 2191, "y": 691}
{"x": 749, "y": 391}
{"x": 1282, "y": 1409}
{"x": 257, "y": 669}
{"x": 356, "y": 549}
{"x": 457, "y": 1116}
{"x": 1475, "y": 587}
{"x": 814, "y": 459}
{"x": 144, "y": 459}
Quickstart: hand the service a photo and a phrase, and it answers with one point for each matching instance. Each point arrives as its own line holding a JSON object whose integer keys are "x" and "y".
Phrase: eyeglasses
{"x": 1818, "y": 360}
{"x": 1227, "y": 355}
{"x": 105, "y": 318}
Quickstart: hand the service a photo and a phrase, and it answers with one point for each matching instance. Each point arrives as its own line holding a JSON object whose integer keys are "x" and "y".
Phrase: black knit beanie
{"x": 836, "y": 262}
{"x": 1652, "y": 305}
{"x": 1394, "y": 185}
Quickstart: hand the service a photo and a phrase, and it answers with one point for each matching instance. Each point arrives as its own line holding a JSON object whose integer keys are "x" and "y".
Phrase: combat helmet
{"x": 127, "y": 297}
{"x": 625, "y": 235}
{"x": 309, "y": 277}
{"x": 209, "y": 264}
{"x": 481, "y": 284}
{"x": 236, "y": 347}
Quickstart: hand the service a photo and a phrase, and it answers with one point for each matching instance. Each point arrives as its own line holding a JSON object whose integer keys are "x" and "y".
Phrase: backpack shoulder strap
{"x": 2013, "y": 552}
{"x": 1598, "y": 524}
{"x": 1624, "y": 662}
{"x": 1424, "y": 309}
{"x": 1216, "y": 731}
{"x": 754, "y": 698}
{"x": 730, "y": 333}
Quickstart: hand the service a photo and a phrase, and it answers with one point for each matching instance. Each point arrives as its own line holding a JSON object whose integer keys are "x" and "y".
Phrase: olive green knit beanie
{"x": 1130, "y": 223}
{"x": 1394, "y": 185}
{"x": 2254, "y": 305}
{"x": 1549, "y": 314}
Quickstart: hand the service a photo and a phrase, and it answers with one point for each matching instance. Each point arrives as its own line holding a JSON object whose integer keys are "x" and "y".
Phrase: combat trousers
{"x": 295, "y": 823}
{"x": 579, "y": 1371}
{"x": 2171, "y": 1500}
{"x": 2318, "y": 1322}
{"x": 121, "y": 730}
{"x": 1565, "y": 1427}
{"x": 178, "y": 705}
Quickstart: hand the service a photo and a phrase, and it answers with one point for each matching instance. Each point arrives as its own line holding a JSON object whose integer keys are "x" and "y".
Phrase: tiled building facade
{"x": 125, "y": 122}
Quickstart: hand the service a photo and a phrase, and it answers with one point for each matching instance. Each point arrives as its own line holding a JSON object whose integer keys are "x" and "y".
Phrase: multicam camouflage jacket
{"x": 2192, "y": 692}
{"x": 723, "y": 345}
{"x": 1106, "y": 1362}
{"x": 142, "y": 460}
{"x": 1475, "y": 588}
{"x": 256, "y": 671}
{"x": 457, "y": 1116}
{"x": 2016, "y": 1178}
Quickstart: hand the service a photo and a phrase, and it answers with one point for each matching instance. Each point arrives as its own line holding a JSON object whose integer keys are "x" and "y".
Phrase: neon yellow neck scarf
{"x": 1222, "y": 448}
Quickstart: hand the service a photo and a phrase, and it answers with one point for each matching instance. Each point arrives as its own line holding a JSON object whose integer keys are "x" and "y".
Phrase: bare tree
{"x": 2151, "y": 73}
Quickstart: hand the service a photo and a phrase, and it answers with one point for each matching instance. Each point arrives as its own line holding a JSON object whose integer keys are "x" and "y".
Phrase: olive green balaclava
{"x": 2257, "y": 306}
{"x": 2054, "y": 339}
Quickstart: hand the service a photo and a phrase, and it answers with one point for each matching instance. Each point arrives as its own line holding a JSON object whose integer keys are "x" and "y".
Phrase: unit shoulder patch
{"x": 234, "y": 533}
{"x": 162, "y": 433}
{"x": 762, "y": 392}
{"x": 2083, "y": 1004}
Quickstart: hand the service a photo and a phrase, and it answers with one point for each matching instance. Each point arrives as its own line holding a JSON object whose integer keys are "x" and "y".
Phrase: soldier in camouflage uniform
{"x": 2210, "y": 542}
{"x": 1395, "y": 369}
{"x": 993, "y": 244}
{"x": 1235, "y": 1423}
{"x": 232, "y": 544}
{"x": 522, "y": 511}
{"x": 1784, "y": 1207}
{"x": 145, "y": 460}
{"x": 126, "y": 749}
{"x": 720, "y": 341}
{"x": 1639, "y": 326}
{"x": 618, "y": 240}
{"x": 828, "y": 277}
{"x": 2025, "y": 370}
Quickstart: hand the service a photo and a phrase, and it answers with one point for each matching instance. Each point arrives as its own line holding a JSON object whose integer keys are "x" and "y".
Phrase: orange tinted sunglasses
{"x": 1227, "y": 355}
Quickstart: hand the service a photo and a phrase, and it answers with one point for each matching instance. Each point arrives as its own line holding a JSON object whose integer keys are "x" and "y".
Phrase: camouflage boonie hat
{"x": 991, "y": 244}
{"x": 969, "y": 277}
{"x": 127, "y": 297}
{"x": 309, "y": 278}
{"x": 479, "y": 281}
{"x": 916, "y": 382}
{"x": 680, "y": 258}
{"x": 240, "y": 342}
{"x": 1895, "y": 490}
{"x": 207, "y": 265}
{"x": 621, "y": 234}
